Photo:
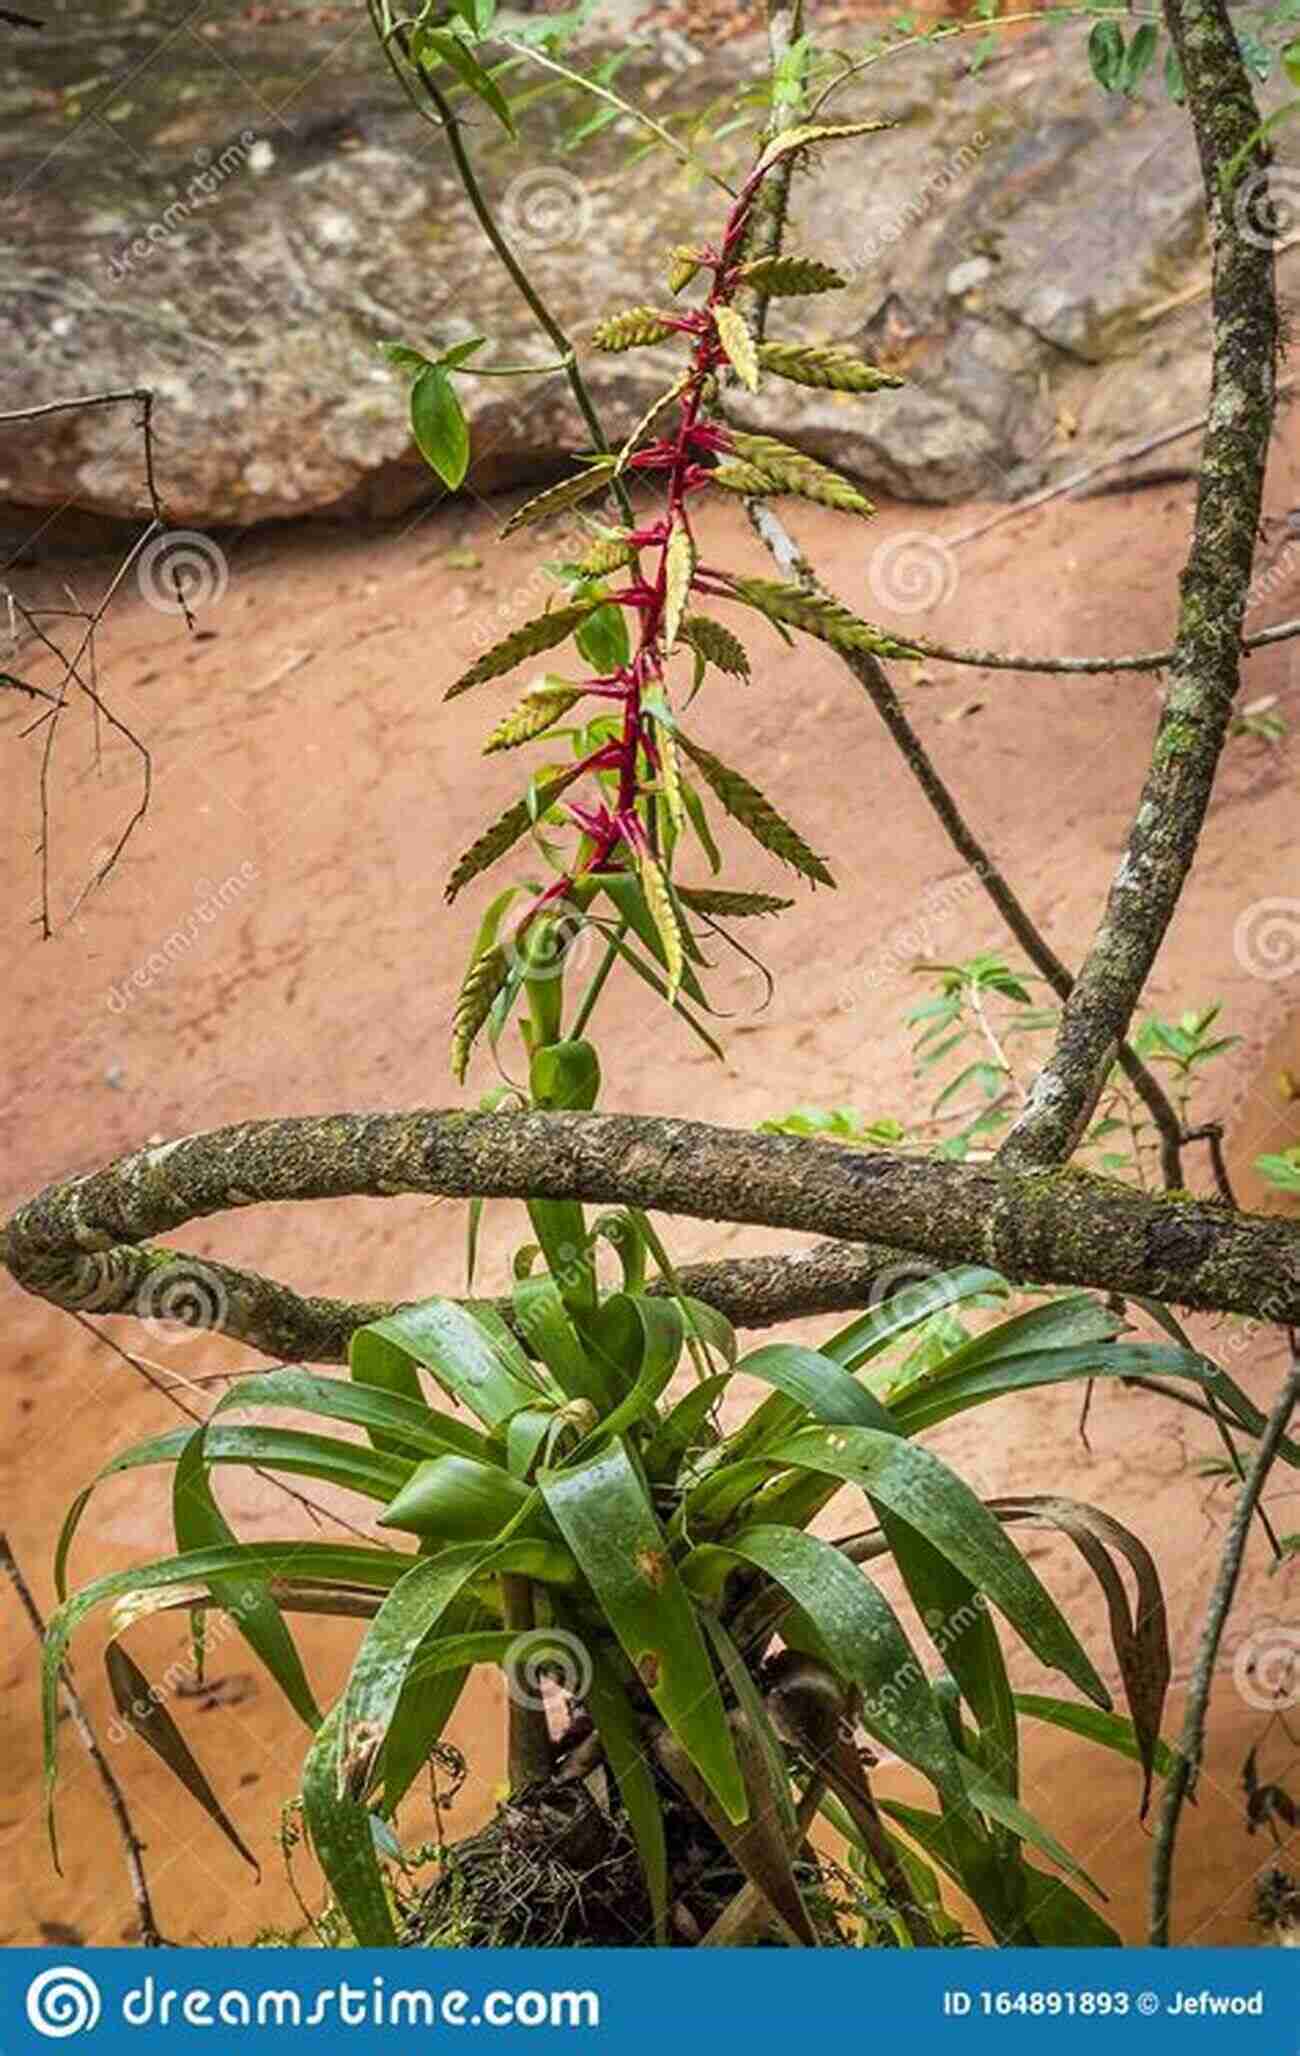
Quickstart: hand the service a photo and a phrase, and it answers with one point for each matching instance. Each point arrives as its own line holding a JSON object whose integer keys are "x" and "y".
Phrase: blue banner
{"x": 111, "y": 2002}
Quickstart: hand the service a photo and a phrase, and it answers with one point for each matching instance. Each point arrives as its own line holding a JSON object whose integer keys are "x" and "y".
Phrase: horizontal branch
{"x": 83, "y": 1244}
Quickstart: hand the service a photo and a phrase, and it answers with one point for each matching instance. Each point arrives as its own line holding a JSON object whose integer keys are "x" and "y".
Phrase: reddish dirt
{"x": 302, "y": 750}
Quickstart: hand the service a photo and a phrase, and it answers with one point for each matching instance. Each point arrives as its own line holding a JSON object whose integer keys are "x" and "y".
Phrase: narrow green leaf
{"x": 603, "y": 1513}
{"x": 922, "y": 1491}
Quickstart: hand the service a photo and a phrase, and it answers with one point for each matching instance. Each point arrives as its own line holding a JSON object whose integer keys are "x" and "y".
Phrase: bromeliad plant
{"x": 577, "y": 1512}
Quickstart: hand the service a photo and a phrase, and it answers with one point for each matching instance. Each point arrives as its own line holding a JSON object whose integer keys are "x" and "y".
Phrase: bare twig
{"x": 131, "y": 1843}
{"x": 1191, "y": 1746}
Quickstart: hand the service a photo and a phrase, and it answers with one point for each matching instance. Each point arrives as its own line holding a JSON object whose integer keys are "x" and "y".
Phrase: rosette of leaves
{"x": 555, "y": 1446}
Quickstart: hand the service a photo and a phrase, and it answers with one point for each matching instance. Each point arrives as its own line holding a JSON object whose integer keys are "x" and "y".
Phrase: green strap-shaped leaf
{"x": 607, "y": 1520}
{"x": 200, "y": 1525}
{"x": 542, "y": 1319}
{"x": 872, "y": 1332}
{"x": 433, "y": 1685}
{"x": 861, "y": 1638}
{"x": 1112, "y": 1730}
{"x": 484, "y": 1372}
{"x": 308, "y": 1563}
{"x": 344, "y": 1842}
{"x": 662, "y": 1332}
{"x": 620, "y": 1735}
{"x": 808, "y": 1383}
{"x": 679, "y": 1431}
{"x": 922, "y": 1491}
{"x": 939, "y": 1395}
{"x": 396, "y": 1416}
{"x": 456, "y": 1498}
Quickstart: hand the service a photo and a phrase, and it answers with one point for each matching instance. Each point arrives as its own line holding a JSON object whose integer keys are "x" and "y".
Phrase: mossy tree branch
{"x": 84, "y": 1244}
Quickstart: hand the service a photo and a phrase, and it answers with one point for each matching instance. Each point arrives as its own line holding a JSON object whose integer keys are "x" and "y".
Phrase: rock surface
{"x": 233, "y": 211}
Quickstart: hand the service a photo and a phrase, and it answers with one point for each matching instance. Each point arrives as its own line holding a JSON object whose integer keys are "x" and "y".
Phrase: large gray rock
{"x": 234, "y": 209}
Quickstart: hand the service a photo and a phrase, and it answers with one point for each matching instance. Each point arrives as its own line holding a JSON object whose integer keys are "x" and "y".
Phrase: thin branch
{"x": 1146, "y": 660}
{"x": 1206, "y": 668}
{"x": 444, "y": 117}
{"x": 600, "y": 91}
{"x": 1191, "y": 1746}
{"x": 168, "y": 1391}
{"x": 133, "y": 1847}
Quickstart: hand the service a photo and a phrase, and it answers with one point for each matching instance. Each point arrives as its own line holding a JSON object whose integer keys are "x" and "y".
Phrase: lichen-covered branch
{"x": 1206, "y": 667}
{"x": 84, "y": 1243}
